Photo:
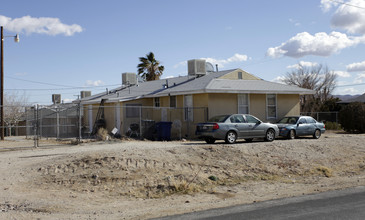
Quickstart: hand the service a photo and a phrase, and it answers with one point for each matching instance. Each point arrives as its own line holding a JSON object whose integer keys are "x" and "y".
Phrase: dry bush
{"x": 103, "y": 134}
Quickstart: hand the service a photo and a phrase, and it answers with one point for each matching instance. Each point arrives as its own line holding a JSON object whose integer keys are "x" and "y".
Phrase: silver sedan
{"x": 232, "y": 127}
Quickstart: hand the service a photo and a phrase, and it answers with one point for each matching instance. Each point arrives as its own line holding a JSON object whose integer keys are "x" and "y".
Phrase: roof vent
{"x": 85, "y": 94}
{"x": 196, "y": 67}
{"x": 129, "y": 79}
{"x": 56, "y": 98}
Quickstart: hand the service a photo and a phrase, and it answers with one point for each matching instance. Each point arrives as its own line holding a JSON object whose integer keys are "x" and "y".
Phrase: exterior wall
{"x": 234, "y": 75}
{"x": 287, "y": 105}
{"x": 109, "y": 113}
{"x": 258, "y": 106}
{"x": 221, "y": 104}
{"x": 205, "y": 107}
{"x": 126, "y": 122}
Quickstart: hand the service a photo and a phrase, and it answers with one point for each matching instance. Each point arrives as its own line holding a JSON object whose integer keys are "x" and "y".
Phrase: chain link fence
{"x": 35, "y": 126}
{"x": 323, "y": 116}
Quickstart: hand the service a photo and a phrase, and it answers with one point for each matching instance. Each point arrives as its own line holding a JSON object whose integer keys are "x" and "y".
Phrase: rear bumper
{"x": 210, "y": 134}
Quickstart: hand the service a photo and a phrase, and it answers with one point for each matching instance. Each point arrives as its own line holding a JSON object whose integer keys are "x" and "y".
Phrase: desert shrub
{"x": 333, "y": 126}
{"x": 352, "y": 117}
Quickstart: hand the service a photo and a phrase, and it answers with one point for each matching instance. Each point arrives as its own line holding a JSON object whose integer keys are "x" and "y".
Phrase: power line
{"x": 357, "y": 84}
{"x": 50, "y": 84}
{"x": 84, "y": 87}
{"x": 344, "y": 3}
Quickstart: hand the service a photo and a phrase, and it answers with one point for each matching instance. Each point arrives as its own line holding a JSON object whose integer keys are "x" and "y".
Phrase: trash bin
{"x": 163, "y": 130}
{"x": 148, "y": 129}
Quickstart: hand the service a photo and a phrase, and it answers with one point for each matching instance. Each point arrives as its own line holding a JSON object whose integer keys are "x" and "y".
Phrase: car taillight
{"x": 215, "y": 126}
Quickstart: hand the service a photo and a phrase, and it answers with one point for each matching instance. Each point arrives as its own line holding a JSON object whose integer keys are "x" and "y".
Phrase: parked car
{"x": 295, "y": 126}
{"x": 232, "y": 127}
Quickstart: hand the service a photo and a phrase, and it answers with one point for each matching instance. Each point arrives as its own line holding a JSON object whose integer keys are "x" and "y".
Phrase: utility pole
{"x": 2, "y": 84}
{"x": 16, "y": 39}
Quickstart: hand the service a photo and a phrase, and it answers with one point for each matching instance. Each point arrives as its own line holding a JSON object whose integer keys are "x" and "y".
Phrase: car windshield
{"x": 288, "y": 120}
{"x": 219, "y": 118}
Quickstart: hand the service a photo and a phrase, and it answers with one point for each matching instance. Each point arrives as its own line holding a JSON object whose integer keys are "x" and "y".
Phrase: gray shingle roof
{"x": 191, "y": 85}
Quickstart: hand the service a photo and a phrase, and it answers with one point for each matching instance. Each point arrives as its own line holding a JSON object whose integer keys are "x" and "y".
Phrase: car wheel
{"x": 248, "y": 139}
{"x": 210, "y": 140}
{"x": 270, "y": 135}
{"x": 231, "y": 137}
{"x": 317, "y": 134}
{"x": 291, "y": 134}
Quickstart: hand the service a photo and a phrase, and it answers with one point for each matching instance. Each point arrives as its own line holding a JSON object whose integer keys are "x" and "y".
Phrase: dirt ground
{"x": 144, "y": 179}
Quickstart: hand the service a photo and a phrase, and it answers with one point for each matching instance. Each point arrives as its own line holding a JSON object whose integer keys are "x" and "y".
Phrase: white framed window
{"x": 243, "y": 104}
{"x": 271, "y": 106}
{"x": 188, "y": 108}
{"x": 156, "y": 102}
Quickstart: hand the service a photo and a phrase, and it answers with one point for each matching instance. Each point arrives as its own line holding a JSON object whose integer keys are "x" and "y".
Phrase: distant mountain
{"x": 346, "y": 97}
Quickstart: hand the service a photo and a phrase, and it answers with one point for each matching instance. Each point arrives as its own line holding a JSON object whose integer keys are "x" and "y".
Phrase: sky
{"x": 69, "y": 46}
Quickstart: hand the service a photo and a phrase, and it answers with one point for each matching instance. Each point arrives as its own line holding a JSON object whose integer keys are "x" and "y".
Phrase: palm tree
{"x": 150, "y": 68}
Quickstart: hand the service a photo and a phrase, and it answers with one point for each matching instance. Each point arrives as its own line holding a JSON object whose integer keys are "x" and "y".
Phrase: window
{"x": 271, "y": 105}
{"x": 133, "y": 110}
{"x": 156, "y": 102}
{"x": 251, "y": 119}
{"x": 237, "y": 119}
{"x": 302, "y": 121}
{"x": 188, "y": 108}
{"x": 311, "y": 120}
{"x": 239, "y": 75}
{"x": 172, "y": 101}
{"x": 243, "y": 107}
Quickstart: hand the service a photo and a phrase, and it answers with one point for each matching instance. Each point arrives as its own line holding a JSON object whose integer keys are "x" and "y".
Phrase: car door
{"x": 302, "y": 127}
{"x": 256, "y": 129}
{"x": 239, "y": 124}
{"x": 311, "y": 126}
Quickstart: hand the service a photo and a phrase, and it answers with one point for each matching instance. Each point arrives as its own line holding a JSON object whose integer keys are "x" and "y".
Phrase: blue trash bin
{"x": 163, "y": 130}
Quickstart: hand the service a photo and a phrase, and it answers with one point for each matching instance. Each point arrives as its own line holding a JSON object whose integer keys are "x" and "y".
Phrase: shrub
{"x": 333, "y": 126}
{"x": 352, "y": 117}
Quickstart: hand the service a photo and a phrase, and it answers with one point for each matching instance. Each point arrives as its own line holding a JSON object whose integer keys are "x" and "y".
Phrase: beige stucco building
{"x": 188, "y": 100}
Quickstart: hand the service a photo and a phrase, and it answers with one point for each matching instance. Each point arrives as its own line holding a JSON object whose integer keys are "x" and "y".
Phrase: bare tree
{"x": 14, "y": 109}
{"x": 317, "y": 78}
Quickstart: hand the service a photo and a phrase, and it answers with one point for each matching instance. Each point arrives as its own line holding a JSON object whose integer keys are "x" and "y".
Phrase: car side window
{"x": 237, "y": 119}
{"x": 311, "y": 120}
{"x": 302, "y": 121}
{"x": 251, "y": 119}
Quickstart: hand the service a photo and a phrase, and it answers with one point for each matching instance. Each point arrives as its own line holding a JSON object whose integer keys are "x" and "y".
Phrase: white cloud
{"x": 342, "y": 74}
{"x": 94, "y": 83}
{"x": 278, "y": 79}
{"x": 360, "y": 78}
{"x": 326, "y": 5}
{"x": 350, "y": 91}
{"x": 295, "y": 22}
{"x": 233, "y": 59}
{"x": 356, "y": 67}
{"x": 303, "y": 64}
{"x": 183, "y": 63}
{"x": 350, "y": 17}
{"x": 41, "y": 25}
{"x": 320, "y": 44}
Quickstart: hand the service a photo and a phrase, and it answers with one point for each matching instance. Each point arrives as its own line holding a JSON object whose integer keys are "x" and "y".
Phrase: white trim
{"x": 189, "y": 115}
{"x": 248, "y": 103}
{"x": 276, "y": 107}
